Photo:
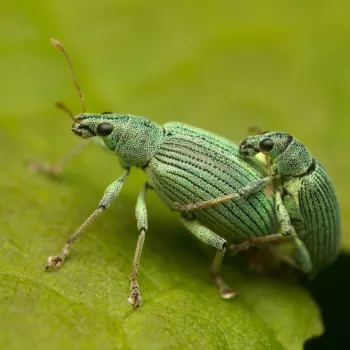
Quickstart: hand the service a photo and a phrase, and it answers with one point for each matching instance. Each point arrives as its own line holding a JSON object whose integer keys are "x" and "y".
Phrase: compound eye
{"x": 104, "y": 129}
{"x": 266, "y": 145}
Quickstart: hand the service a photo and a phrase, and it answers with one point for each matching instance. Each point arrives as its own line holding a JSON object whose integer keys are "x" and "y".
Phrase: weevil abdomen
{"x": 318, "y": 223}
{"x": 192, "y": 165}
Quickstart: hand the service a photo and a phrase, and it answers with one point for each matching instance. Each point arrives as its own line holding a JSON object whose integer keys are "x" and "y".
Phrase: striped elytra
{"x": 192, "y": 165}
{"x": 321, "y": 216}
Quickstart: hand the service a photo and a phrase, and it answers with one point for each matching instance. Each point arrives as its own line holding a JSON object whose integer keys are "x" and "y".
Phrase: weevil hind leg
{"x": 299, "y": 260}
{"x": 56, "y": 168}
{"x": 256, "y": 241}
{"x": 272, "y": 259}
{"x": 210, "y": 238}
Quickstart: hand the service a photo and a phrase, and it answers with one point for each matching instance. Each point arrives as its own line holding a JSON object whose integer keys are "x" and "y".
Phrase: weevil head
{"x": 288, "y": 156}
{"x": 133, "y": 139}
{"x": 89, "y": 125}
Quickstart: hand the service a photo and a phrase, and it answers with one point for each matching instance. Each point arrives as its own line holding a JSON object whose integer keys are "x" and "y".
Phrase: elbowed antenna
{"x": 65, "y": 108}
{"x": 60, "y": 47}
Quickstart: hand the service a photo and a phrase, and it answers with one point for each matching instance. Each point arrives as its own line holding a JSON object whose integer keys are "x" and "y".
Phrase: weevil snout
{"x": 82, "y": 130}
{"x": 252, "y": 145}
{"x": 76, "y": 130}
{"x": 247, "y": 148}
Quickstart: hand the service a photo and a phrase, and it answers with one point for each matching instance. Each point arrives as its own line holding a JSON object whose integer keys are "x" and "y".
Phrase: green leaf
{"x": 222, "y": 66}
{"x": 84, "y": 304}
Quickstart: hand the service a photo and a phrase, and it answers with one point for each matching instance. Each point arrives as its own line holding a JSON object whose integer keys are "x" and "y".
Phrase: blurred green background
{"x": 224, "y": 66}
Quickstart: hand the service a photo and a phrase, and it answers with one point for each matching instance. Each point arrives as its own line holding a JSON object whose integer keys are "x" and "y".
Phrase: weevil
{"x": 307, "y": 207}
{"x": 183, "y": 165}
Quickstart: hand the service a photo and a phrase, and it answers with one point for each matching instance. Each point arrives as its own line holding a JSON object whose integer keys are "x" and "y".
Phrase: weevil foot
{"x": 186, "y": 207}
{"x": 236, "y": 248}
{"x": 135, "y": 296}
{"x": 45, "y": 168}
{"x": 54, "y": 262}
{"x": 180, "y": 207}
{"x": 225, "y": 291}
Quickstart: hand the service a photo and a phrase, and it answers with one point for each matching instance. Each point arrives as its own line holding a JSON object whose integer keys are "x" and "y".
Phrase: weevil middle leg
{"x": 142, "y": 226}
{"x": 246, "y": 191}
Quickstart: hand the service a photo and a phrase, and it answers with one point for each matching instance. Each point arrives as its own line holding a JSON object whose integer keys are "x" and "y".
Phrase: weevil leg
{"x": 209, "y": 237}
{"x": 303, "y": 260}
{"x": 142, "y": 226}
{"x": 284, "y": 221}
{"x": 267, "y": 258}
{"x": 256, "y": 241}
{"x": 252, "y": 188}
{"x": 56, "y": 168}
{"x": 302, "y": 255}
{"x": 110, "y": 194}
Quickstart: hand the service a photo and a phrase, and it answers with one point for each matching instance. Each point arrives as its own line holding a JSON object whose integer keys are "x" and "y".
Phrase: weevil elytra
{"x": 183, "y": 165}
{"x": 306, "y": 204}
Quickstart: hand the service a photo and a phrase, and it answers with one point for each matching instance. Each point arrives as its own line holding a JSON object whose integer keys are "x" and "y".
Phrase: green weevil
{"x": 185, "y": 165}
{"x": 306, "y": 203}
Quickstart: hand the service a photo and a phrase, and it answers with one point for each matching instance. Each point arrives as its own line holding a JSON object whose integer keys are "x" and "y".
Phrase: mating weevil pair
{"x": 219, "y": 188}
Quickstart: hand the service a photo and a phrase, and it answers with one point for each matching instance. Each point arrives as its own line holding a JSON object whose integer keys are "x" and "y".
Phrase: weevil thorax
{"x": 288, "y": 156}
{"x": 134, "y": 139}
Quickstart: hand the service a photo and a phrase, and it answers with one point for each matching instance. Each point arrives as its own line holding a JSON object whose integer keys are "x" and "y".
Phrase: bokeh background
{"x": 224, "y": 66}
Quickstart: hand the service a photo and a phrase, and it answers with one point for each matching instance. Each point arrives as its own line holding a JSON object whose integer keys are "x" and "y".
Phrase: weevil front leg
{"x": 251, "y": 188}
{"x": 209, "y": 237}
{"x": 56, "y": 168}
{"x": 110, "y": 194}
{"x": 142, "y": 226}
{"x": 302, "y": 256}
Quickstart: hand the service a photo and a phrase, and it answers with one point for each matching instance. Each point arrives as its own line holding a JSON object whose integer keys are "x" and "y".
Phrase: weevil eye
{"x": 104, "y": 129}
{"x": 266, "y": 145}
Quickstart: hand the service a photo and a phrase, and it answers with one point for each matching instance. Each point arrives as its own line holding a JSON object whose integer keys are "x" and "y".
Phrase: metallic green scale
{"x": 304, "y": 196}
{"x": 315, "y": 214}
{"x": 192, "y": 165}
{"x": 308, "y": 195}
{"x": 217, "y": 187}
{"x": 183, "y": 165}
{"x": 220, "y": 190}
